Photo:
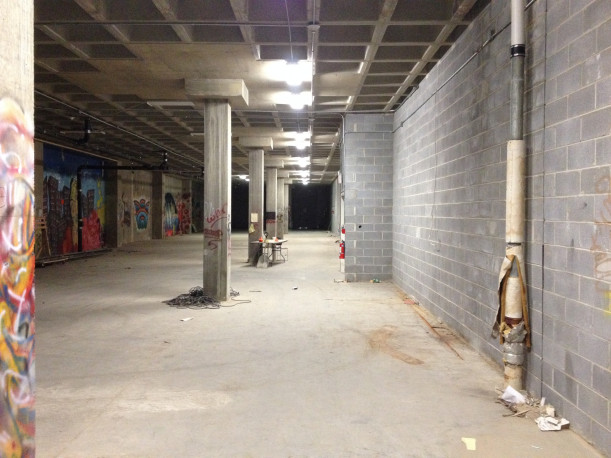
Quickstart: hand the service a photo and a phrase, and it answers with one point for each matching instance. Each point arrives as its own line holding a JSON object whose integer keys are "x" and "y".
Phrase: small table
{"x": 272, "y": 250}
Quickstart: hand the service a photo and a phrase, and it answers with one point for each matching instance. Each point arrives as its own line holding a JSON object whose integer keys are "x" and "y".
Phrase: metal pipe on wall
{"x": 513, "y": 313}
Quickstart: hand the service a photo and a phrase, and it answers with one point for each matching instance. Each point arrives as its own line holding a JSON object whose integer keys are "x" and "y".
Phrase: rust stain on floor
{"x": 381, "y": 340}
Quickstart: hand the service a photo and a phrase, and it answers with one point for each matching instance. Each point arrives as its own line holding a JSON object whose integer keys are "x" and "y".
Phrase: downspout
{"x": 512, "y": 319}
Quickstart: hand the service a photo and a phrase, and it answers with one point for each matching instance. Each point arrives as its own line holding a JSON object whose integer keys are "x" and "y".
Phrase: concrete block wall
{"x": 449, "y": 197}
{"x": 367, "y": 173}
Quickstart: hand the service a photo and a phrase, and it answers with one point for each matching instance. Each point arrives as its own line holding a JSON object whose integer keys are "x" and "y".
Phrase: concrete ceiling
{"x": 105, "y": 61}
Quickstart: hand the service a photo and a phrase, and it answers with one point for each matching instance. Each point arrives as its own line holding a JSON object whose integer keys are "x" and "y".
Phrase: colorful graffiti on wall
{"x": 184, "y": 213}
{"x": 17, "y": 277}
{"x": 177, "y": 214}
{"x": 141, "y": 213}
{"x": 60, "y": 205}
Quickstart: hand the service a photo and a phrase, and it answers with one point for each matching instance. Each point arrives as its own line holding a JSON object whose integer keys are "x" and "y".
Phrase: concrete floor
{"x": 308, "y": 367}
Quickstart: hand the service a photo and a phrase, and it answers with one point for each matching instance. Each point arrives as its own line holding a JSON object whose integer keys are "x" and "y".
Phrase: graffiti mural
{"x": 17, "y": 277}
{"x": 141, "y": 213}
{"x": 60, "y": 204}
{"x": 177, "y": 214}
{"x": 184, "y": 213}
{"x": 170, "y": 220}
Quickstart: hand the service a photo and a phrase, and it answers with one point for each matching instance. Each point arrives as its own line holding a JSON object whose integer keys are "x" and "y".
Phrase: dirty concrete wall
{"x": 449, "y": 191}
{"x": 134, "y": 205}
{"x": 17, "y": 228}
{"x": 368, "y": 173}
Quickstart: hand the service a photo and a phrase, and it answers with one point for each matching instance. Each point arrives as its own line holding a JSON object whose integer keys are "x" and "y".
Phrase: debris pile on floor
{"x": 522, "y": 404}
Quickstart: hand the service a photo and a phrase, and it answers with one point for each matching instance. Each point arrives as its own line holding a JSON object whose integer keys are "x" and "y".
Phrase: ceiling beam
{"x": 460, "y": 11}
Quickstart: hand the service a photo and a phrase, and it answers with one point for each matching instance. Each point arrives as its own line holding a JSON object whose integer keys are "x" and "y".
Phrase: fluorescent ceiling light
{"x": 297, "y": 72}
{"x": 298, "y": 101}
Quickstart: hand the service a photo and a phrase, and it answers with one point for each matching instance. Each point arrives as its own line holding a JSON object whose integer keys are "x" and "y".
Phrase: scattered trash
{"x": 375, "y": 280}
{"x": 469, "y": 442}
{"x": 187, "y": 319}
{"x": 523, "y": 402}
{"x": 294, "y": 287}
{"x": 551, "y": 423}
{"x": 338, "y": 281}
{"x": 513, "y": 396}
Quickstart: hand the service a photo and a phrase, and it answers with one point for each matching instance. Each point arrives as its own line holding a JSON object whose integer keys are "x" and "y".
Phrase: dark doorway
{"x": 239, "y": 205}
{"x": 310, "y": 207}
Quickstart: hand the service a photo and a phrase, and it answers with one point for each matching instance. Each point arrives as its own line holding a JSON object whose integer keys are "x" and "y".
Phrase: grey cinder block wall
{"x": 367, "y": 173}
{"x": 448, "y": 214}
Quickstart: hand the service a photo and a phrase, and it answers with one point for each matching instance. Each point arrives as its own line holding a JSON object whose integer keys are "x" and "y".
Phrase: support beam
{"x": 217, "y": 199}
{"x": 255, "y": 203}
{"x": 280, "y": 213}
{"x": 271, "y": 201}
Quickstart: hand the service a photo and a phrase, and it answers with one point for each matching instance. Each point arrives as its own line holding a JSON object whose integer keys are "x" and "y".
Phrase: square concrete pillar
{"x": 217, "y": 199}
{"x": 271, "y": 201}
{"x": 255, "y": 202}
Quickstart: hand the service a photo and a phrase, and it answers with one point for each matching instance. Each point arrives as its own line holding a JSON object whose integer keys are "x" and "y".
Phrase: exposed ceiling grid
{"x": 111, "y": 60}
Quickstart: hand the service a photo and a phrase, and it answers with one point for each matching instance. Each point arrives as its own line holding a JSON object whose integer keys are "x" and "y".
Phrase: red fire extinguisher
{"x": 342, "y": 250}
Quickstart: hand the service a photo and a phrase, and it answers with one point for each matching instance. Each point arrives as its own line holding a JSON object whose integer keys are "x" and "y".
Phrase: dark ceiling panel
{"x": 351, "y": 10}
{"x": 216, "y": 34}
{"x": 414, "y": 34}
{"x": 59, "y": 10}
{"x": 88, "y": 33}
{"x": 271, "y": 52}
{"x": 139, "y": 10}
{"x": 275, "y": 10}
{"x": 345, "y": 34}
{"x": 341, "y": 52}
{"x": 204, "y": 10}
{"x": 423, "y": 10}
{"x": 52, "y": 51}
{"x": 400, "y": 52}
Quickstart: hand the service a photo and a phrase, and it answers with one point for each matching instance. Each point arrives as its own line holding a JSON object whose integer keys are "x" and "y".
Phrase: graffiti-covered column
{"x": 216, "y": 95}
{"x": 17, "y": 228}
{"x": 271, "y": 200}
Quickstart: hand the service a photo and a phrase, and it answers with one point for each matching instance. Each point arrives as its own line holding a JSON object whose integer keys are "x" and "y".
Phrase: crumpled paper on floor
{"x": 551, "y": 423}
{"x": 513, "y": 396}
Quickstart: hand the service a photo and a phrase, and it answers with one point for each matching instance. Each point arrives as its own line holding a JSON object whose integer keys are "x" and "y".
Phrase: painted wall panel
{"x": 60, "y": 205}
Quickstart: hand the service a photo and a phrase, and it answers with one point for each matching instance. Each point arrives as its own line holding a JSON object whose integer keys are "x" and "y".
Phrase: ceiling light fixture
{"x": 298, "y": 101}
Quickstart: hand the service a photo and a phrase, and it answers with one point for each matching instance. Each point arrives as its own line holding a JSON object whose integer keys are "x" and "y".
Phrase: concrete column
{"x": 287, "y": 208}
{"x": 271, "y": 201}
{"x": 255, "y": 202}
{"x": 157, "y": 207}
{"x": 217, "y": 198}
{"x": 17, "y": 227}
{"x": 280, "y": 213}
